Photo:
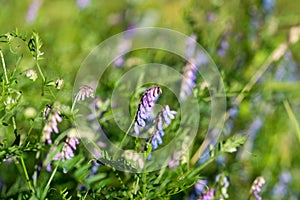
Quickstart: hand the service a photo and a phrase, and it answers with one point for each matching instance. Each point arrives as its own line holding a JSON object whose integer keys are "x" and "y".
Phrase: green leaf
{"x": 233, "y": 143}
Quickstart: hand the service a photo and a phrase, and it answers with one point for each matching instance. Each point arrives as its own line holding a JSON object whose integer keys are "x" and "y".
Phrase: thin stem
{"x": 40, "y": 71}
{"x": 4, "y": 67}
{"x": 292, "y": 118}
{"x": 74, "y": 103}
{"x": 52, "y": 94}
{"x": 127, "y": 132}
{"x": 51, "y": 177}
{"x": 26, "y": 174}
{"x": 123, "y": 139}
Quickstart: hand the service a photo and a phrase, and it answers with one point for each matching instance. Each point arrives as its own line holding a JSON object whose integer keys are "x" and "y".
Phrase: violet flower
{"x": 189, "y": 80}
{"x": 256, "y": 187}
{"x": 199, "y": 187}
{"x": 223, "y": 46}
{"x": 82, "y": 3}
{"x": 281, "y": 190}
{"x": 195, "y": 60}
{"x": 68, "y": 149}
{"x": 124, "y": 46}
{"x": 268, "y": 6}
{"x": 143, "y": 114}
{"x": 163, "y": 118}
{"x": 33, "y": 10}
{"x": 191, "y": 45}
{"x": 69, "y": 146}
{"x": 85, "y": 92}
{"x": 175, "y": 159}
{"x": 208, "y": 195}
{"x": 52, "y": 118}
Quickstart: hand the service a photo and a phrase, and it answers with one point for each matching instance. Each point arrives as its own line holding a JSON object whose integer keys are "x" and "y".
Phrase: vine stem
{"x": 74, "y": 103}
{"x": 52, "y": 176}
{"x": 4, "y": 67}
{"x": 26, "y": 174}
{"x": 40, "y": 71}
{"x": 127, "y": 132}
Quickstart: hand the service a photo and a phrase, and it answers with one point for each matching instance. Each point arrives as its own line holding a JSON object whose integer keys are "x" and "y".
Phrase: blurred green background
{"x": 239, "y": 35}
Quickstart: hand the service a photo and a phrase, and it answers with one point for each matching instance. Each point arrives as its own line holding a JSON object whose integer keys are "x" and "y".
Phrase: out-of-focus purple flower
{"x": 98, "y": 107}
{"x": 125, "y": 46}
{"x": 255, "y": 127}
{"x": 190, "y": 74}
{"x": 82, "y": 3}
{"x": 94, "y": 168}
{"x": 199, "y": 187}
{"x": 268, "y": 5}
{"x": 195, "y": 60}
{"x": 33, "y": 10}
{"x": 84, "y": 92}
{"x": 38, "y": 169}
{"x": 191, "y": 45}
{"x": 233, "y": 112}
{"x": 175, "y": 159}
{"x": 210, "y": 17}
{"x": 52, "y": 118}
{"x": 68, "y": 149}
{"x": 70, "y": 146}
{"x": 256, "y": 187}
{"x": 223, "y": 183}
{"x": 287, "y": 69}
{"x": 208, "y": 195}
{"x": 223, "y": 46}
{"x": 229, "y": 125}
{"x": 143, "y": 114}
{"x": 189, "y": 80}
{"x": 280, "y": 190}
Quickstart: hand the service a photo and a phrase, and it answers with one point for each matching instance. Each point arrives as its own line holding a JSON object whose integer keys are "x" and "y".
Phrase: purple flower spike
{"x": 191, "y": 45}
{"x": 188, "y": 82}
{"x": 175, "y": 159}
{"x": 125, "y": 46}
{"x": 256, "y": 187}
{"x": 162, "y": 118}
{"x": 147, "y": 102}
{"x": 84, "y": 92}
{"x": 223, "y": 46}
{"x": 52, "y": 118}
{"x": 33, "y": 10}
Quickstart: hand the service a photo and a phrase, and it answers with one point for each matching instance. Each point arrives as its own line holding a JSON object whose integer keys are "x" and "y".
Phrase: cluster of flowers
{"x": 68, "y": 148}
{"x": 256, "y": 187}
{"x": 163, "y": 118}
{"x": 52, "y": 116}
{"x": 202, "y": 192}
{"x": 220, "y": 191}
{"x": 144, "y": 116}
{"x": 144, "y": 111}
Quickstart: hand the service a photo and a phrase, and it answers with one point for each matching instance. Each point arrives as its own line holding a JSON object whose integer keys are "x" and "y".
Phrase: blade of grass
{"x": 292, "y": 118}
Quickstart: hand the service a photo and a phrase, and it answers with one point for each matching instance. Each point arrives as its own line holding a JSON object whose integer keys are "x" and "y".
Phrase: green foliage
{"x": 255, "y": 49}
